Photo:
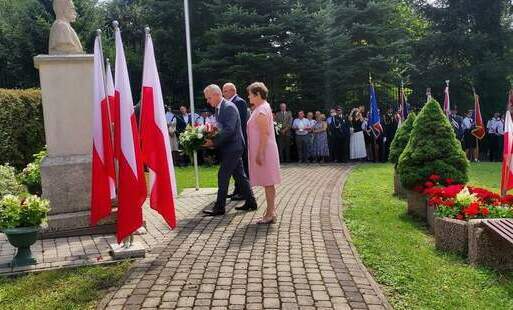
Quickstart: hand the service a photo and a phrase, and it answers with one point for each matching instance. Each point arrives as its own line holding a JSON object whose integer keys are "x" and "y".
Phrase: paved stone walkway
{"x": 305, "y": 261}
{"x": 90, "y": 250}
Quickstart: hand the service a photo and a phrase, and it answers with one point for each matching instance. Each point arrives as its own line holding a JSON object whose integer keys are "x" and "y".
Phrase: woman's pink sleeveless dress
{"x": 269, "y": 173}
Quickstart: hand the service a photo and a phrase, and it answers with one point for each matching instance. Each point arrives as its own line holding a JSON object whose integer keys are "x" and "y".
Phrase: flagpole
{"x": 191, "y": 88}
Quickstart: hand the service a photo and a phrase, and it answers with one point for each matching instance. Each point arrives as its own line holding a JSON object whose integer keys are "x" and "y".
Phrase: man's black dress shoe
{"x": 237, "y": 197}
{"x": 214, "y": 212}
{"x": 248, "y": 206}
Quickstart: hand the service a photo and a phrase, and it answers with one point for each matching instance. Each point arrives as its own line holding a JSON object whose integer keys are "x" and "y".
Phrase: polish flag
{"x": 507, "y": 153}
{"x": 113, "y": 107}
{"x": 447, "y": 100}
{"x": 156, "y": 148}
{"x": 103, "y": 187}
{"x": 132, "y": 185}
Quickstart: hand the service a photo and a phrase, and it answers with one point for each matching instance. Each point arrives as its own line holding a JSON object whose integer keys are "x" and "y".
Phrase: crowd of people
{"x": 308, "y": 137}
{"x": 487, "y": 148}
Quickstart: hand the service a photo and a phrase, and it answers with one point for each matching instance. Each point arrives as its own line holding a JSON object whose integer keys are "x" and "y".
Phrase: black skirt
{"x": 469, "y": 141}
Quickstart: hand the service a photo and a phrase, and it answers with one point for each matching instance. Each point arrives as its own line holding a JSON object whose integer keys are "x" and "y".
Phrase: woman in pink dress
{"x": 264, "y": 161}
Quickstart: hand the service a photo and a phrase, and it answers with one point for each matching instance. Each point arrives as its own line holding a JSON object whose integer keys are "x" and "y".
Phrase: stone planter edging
{"x": 417, "y": 204}
{"x": 486, "y": 248}
{"x": 451, "y": 235}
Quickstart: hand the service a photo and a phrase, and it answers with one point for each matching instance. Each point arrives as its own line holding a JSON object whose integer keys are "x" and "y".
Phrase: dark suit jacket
{"x": 243, "y": 112}
{"x": 230, "y": 138}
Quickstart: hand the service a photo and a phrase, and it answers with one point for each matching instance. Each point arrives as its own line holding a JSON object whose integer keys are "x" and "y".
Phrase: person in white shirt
{"x": 495, "y": 129}
{"x": 301, "y": 127}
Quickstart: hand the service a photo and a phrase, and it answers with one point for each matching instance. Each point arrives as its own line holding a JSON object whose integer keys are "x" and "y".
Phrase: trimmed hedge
{"x": 21, "y": 126}
{"x": 432, "y": 149}
{"x": 401, "y": 139}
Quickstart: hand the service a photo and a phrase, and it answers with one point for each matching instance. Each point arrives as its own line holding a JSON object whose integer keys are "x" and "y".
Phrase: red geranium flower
{"x": 484, "y": 195}
{"x": 429, "y": 184}
{"x": 449, "y": 181}
{"x": 485, "y": 211}
{"x": 434, "y": 178}
{"x": 418, "y": 188}
{"x": 435, "y": 201}
{"x": 449, "y": 203}
{"x": 452, "y": 191}
{"x": 434, "y": 191}
{"x": 508, "y": 200}
{"x": 472, "y": 210}
{"x": 459, "y": 216}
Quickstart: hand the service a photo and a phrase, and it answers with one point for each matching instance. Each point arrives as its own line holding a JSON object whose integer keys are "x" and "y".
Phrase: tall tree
{"x": 366, "y": 38}
{"x": 467, "y": 43}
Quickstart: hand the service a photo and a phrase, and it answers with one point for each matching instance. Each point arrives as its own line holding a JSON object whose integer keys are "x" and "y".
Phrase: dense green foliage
{"x": 432, "y": 149}
{"x": 31, "y": 174}
{"x": 21, "y": 126}
{"x": 401, "y": 138}
{"x": 77, "y": 288}
{"x": 8, "y": 182}
{"x": 312, "y": 54}
{"x": 23, "y": 211}
{"x": 401, "y": 254}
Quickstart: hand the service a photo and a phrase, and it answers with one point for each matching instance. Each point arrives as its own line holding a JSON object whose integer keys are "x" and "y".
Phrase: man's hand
{"x": 209, "y": 144}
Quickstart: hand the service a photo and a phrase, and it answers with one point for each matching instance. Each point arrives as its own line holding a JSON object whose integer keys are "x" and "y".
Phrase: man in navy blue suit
{"x": 230, "y": 94}
{"x": 230, "y": 144}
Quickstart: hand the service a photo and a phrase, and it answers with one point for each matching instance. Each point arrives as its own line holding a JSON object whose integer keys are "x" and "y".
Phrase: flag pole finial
{"x": 115, "y": 24}
{"x": 370, "y": 78}
{"x": 98, "y": 32}
{"x": 447, "y": 82}
{"x": 147, "y": 30}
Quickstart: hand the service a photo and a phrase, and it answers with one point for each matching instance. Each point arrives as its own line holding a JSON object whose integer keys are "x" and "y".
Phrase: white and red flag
{"x": 507, "y": 153}
{"x": 103, "y": 187}
{"x": 132, "y": 185}
{"x": 156, "y": 148}
{"x": 113, "y": 107}
{"x": 447, "y": 100}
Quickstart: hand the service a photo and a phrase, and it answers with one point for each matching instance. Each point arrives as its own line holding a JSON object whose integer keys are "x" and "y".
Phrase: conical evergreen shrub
{"x": 432, "y": 149}
{"x": 401, "y": 138}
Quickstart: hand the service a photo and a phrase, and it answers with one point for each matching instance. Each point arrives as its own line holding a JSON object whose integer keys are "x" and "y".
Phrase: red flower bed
{"x": 464, "y": 203}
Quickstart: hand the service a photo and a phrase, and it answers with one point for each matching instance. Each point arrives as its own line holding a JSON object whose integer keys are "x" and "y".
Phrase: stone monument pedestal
{"x": 67, "y": 96}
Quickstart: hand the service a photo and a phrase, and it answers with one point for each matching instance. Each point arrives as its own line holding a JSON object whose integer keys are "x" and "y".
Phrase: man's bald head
{"x": 229, "y": 90}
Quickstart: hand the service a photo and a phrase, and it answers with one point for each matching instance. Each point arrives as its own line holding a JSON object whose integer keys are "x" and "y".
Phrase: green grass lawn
{"x": 185, "y": 177}
{"x": 78, "y": 288}
{"x": 401, "y": 254}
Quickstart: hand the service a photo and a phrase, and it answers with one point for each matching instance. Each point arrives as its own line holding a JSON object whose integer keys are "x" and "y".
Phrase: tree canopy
{"x": 312, "y": 54}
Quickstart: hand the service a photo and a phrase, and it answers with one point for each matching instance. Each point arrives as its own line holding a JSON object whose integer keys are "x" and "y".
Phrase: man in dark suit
{"x": 230, "y": 94}
{"x": 230, "y": 144}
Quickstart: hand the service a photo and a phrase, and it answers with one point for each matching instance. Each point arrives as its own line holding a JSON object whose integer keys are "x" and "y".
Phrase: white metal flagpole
{"x": 191, "y": 86}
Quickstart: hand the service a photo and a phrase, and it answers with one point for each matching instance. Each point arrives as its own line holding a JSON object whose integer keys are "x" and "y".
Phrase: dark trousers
{"x": 341, "y": 149}
{"x": 302, "y": 147}
{"x": 245, "y": 165}
{"x": 494, "y": 147}
{"x": 284, "y": 147}
{"x": 231, "y": 165}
